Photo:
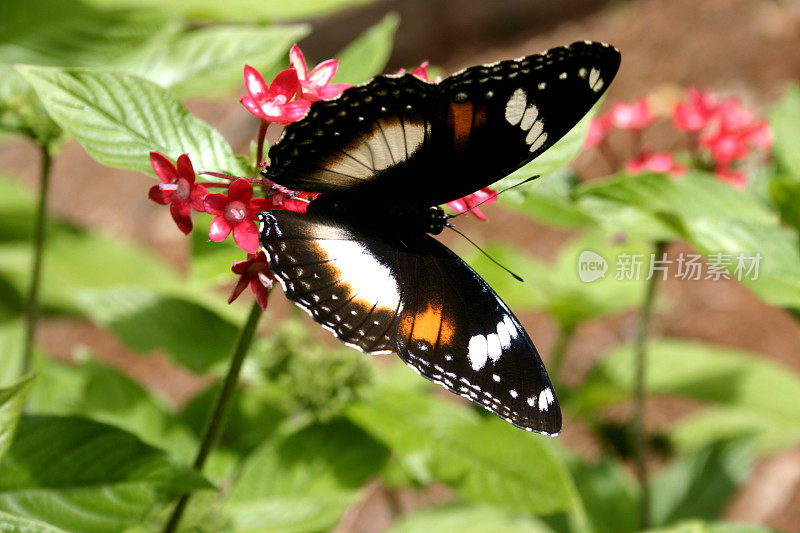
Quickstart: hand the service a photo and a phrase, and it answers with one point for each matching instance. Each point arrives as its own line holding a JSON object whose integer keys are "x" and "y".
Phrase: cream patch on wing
{"x": 369, "y": 282}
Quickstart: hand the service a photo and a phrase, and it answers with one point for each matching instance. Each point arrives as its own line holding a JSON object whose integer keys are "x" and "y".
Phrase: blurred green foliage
{"x": 314, "y": 425}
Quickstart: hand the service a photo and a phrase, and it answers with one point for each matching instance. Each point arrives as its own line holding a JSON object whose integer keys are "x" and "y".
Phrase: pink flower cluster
{"x": 285, "y": 100}
{"x": 723, "y": 135}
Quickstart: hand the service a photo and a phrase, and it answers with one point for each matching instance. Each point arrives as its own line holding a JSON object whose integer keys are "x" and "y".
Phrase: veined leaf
{"x": 10, "y": 522}
{"x": 785, "y": 122}
{"x": 367, "y": 56}
{"x": 12, "y": 398}
{"x": 119, "y": 118}
{"x": 479, "y": 457}
{"x": 84, "y": 476}
{"x": 207, "y": 60}
{"x": 246, "y": 10}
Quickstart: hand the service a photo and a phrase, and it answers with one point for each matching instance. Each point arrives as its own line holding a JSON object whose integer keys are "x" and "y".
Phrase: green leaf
{"x": 785, "y": 123}
{"x": 145, "y": 320}
{"x": 119, "y": 118}
{"x": 785, "y": 193}
{"x": 609, "y": 495}
{"x": 367, "y": 56}
{"x": 246, "y": 10}
{"x": 15, "y": 523}
{"x": 208, "y": 60}
{"x": 566, "y": 289}
{"x": 84, "y": 476}
{"x": 696, "y": 526}
{"x": 716, "y": 219}
{"x": 11, "y": 338}
{"x": 12, "y": 398}
{"x": 700, "y": 485}
{"x": 479, "y": 457}
{"x": 304, "y": 481}
{"x": 466, "y": 519}
{"x": 717, "y": 375}
{"x": 61, "y": 33}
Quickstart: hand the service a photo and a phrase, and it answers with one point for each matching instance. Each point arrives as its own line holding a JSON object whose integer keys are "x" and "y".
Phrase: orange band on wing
{"x": 459, "y": 120}
{"x": 428, "y": 326}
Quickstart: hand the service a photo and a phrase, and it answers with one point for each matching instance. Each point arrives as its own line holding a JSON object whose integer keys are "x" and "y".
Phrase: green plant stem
{"x": 560, "y": 349}
{"x": 219, "y": 412}
{"x": 32, "y": 301}
{"x": 639, "y": 392}
{"x": 262, "y": 134}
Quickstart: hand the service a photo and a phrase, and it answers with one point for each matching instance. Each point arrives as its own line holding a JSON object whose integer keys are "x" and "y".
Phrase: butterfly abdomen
{"x": 384, "y": 217}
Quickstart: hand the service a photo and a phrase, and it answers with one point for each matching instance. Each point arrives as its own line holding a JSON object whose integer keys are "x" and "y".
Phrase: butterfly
{"x": 382, "y": 156}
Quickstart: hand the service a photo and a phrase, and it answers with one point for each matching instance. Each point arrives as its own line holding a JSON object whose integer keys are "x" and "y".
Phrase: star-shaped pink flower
{"x": 272, "y": 102}
{"x": 178, "y": 188}
{"x": 635, "y": 116}
{"x": 235, "y": 213}
{"x": 315, "y": 85}
{"x": 662, "y": 162}
{"x": 253, "y": 271}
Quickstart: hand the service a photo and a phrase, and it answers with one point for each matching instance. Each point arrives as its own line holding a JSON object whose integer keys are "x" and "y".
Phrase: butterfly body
{"x": 383, "y": 155}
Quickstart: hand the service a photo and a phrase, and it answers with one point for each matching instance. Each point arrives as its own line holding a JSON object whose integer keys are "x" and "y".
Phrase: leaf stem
{"x": 262, "y": 134}
{"x": 640, "y": 354}
{"x": 560, "y": 349}
{"x": 32, "y": 300}
{"x": 219, "y": 412}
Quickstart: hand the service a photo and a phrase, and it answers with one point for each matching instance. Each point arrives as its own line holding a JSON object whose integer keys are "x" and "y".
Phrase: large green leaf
{"x": 245, "y": 10}
{"x": 479, "y": 457}
{"x": 304, "y": 481}
{"x": 61, "y": 33}
{"x": 367, "y": 56}
{"x": 762, "y": 393}
{"x": 11, "y": 338}
{"x": 207, "y": 60}
{"x": 12, "y": 398}
{"x": 785, "y": 122}
{"x": 84, "y": 476}
{"x": 698, "y": 526}
{"x": 12, "y": 523}
{"x": 700, "y": 485}
{"x": 467, "y": 519}
{"x": 609, "y": 495}
{"x": 716, "y": 219}
{"x": 119, "y": 118}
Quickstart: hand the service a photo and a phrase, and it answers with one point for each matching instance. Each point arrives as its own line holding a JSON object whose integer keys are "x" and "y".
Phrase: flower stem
{"x": 219, "y": 412}
{"x": 32, "y": 301}
{"x": 560, "y": 349}
{"x": 262, "y": 134}
{"x": 640, "y": 353}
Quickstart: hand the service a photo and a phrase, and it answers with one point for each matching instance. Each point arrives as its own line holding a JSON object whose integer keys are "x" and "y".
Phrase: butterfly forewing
{"x": 411, "y": 295}
{"x": 424, "y": 143}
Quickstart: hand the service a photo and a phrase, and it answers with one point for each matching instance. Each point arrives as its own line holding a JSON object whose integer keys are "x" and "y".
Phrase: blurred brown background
{"x": 746, "y": 48}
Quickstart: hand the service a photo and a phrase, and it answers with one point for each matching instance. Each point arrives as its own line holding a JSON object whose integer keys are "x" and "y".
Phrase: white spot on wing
{"x": 503, "y": 335}
{"x": 532, "y": 401}
{"x": 594, "y": 79}
{"x": 493, "y": 346}
{"x": 513, "y": 393}
{"x": 531, "y": 114}
{"x": 512, "y": 330}
{"x": 546, "y": 398}
{"x": 515, "y": 107}
{"x": 478, "y": 352}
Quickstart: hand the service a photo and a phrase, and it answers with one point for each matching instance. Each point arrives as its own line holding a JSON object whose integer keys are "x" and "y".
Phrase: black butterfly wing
{"x": 413, "y": 296}
{"x": 423, "y": 143}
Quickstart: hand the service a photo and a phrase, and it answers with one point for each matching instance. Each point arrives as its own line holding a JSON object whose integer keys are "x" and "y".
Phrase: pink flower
{"x": 733, "y": 116}
{"x": 315, "y": 85}
{"x": 462, "y": 205}
{"x": 726, "y": 146}
{"x": 760, "y": 136}
{"x": 695, "y": 114}
{"x": 598, "y": 129}
{"x": 661, "y": 162}
{"x": 235, "y": 213}
{"x": 178, "y": 189}
{"x": 421, "y": 71}
{"x": 633, "y": 116}
{"x": 736, "y": 178}
{"x": 253, "y": 271}
{"x": 271, "y": 102}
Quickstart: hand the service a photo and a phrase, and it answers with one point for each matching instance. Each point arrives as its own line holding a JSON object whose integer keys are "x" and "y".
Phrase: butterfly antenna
{"x": 495, "y": 195}
{"x": 492, "y": 259}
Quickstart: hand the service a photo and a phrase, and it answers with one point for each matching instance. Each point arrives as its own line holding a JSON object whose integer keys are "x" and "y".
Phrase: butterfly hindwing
{"x": 425, "y": 143}
{"x": 411, "y": 295}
